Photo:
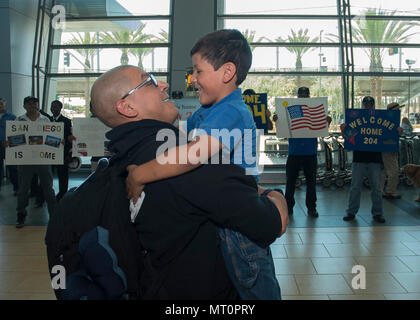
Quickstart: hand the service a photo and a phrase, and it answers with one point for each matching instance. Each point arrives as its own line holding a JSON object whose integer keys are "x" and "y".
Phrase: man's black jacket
{"x": 67, "y": 132}
{"x": 179, "y": 218}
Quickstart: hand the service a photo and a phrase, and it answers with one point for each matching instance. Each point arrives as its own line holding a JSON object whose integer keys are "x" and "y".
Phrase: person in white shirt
{"x": 26, "y": 172}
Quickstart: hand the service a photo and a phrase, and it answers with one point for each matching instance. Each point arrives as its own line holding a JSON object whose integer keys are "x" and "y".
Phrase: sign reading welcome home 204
{"x": 34, "y": 143}
{"x": 372, "y": 130}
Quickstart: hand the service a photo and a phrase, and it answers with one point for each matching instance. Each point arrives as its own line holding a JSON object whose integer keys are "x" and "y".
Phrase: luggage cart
{"x": 326, "y": 176}
{"x": 343, "y": 172}
{"x": 406, "y": 156}
{"x": 275, "y": 147}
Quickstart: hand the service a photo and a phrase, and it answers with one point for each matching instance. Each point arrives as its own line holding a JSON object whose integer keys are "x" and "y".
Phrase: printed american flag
{"x": 302, "y": 116}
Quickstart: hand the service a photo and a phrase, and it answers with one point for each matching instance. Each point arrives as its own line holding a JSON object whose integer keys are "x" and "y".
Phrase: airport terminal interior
{"x": 342, "y": 50}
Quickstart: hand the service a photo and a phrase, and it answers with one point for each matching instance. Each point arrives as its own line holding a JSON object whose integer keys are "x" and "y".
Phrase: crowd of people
{"x": 36, "y": 179}
{"x": 224, "y": 221}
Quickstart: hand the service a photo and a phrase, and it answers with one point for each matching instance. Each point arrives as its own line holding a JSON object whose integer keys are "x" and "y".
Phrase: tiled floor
{"x": 324, "y": 270}
{"x": 313, "y": 260}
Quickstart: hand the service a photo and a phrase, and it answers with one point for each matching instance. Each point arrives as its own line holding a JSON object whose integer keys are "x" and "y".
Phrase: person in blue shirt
{"x": 223, "y": 127}
{"x": 302, "y": 155}
{"x": 13, "y": 175}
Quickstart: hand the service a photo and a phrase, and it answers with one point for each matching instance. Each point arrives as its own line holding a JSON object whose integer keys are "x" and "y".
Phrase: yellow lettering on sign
{"x": 371, "y": 131}
{"x": 248, "y": 98}
{"x": 386, "y": 123}
{"x": 260, "y": 113}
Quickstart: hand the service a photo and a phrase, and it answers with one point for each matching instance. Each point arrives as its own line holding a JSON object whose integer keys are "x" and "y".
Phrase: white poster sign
{"x": 301, "y": 117}
{"x": 186, "y": 107}
{"x": 34, "y": 143}
{"x": 90, "y": 137}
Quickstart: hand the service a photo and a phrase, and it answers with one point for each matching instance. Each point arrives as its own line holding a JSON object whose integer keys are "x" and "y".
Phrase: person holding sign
{"x": 26, "y": 172}
{"x": 260, "y": 124}
{"x": 365, "y": 163}
{"x": 301, "y": 155}
{"x": 13, "y": 175}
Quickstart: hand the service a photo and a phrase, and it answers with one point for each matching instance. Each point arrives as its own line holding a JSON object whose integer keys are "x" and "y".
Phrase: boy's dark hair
{"x": 368, "y": 101}
{"x": 222, "y": 46}
{"x": 30, "y": 100}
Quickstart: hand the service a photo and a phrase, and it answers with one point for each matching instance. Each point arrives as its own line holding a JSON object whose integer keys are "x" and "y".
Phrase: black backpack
{"x": 90, "y": 237}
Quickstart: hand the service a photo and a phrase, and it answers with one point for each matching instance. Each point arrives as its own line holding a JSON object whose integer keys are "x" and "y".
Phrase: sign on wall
{"x": 257, "y": 104}
{"x": 90, "y": 137}
{"x": 34, "y": 143}
{"x": 372, "y": 130}
{"x": 301, "y": 117}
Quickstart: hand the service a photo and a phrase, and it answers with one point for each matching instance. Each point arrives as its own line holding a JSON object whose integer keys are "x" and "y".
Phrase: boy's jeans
{"x": 373, "y": 171}
{"x": 250, "y": 267}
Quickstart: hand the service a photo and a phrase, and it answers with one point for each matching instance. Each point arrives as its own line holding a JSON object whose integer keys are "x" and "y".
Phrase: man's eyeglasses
{"x": 150, "y": 78}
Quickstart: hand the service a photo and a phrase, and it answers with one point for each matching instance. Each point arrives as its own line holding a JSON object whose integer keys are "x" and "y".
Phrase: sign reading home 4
{"x": 257, "y": 104}
{"x": 372, "y": 130}
{"x": 34, "y": 143}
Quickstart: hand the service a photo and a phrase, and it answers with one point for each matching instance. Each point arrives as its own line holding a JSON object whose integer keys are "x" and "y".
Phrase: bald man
{"x": 178, "y": 218}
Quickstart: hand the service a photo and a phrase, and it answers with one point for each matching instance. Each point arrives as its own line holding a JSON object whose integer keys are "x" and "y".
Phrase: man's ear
{"x": 229, "y": 71}
{"x": 124, "y": 108}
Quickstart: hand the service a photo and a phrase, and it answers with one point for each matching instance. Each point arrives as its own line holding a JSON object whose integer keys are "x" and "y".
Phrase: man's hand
{"x": 275, "y": 117}
{"x": 71, "y": 138}
{"x": 278, "y": 199}
{"x": 400, "y": 130}
{"x": 133, "y": 189}
{"x": 5, "y": 143}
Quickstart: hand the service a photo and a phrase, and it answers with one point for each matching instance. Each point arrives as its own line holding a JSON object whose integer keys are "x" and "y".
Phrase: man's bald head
{"x": 109, "y": 88}
{"x": 150, "y": 101}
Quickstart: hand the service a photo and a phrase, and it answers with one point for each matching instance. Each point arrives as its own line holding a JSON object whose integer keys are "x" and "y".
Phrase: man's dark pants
{"x": 309, "y": 166}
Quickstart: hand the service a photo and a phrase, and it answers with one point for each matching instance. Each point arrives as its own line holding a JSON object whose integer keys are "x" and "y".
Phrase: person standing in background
{"x": 26, "y": 172}
{"x": 13, "y": 175}
{"x": 365, "y": 163}
{"x": 63, "y": 170}
{"x": 302, "y": 155}
{"x": 406, "y": 127}
{"x": 391, "y": 166}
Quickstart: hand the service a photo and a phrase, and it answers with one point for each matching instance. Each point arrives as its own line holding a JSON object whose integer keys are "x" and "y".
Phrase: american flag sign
{"x": 302, "y": 116}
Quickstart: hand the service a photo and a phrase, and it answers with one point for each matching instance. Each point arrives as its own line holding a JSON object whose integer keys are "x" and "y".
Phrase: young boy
{"x": 221, "y": 61}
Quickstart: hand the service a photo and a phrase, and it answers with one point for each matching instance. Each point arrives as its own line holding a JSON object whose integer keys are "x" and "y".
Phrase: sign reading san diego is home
{"x": 34, "y": 143}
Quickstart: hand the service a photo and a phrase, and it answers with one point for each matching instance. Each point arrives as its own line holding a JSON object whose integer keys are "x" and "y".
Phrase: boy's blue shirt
{"x": 230, "y": 113}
